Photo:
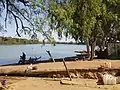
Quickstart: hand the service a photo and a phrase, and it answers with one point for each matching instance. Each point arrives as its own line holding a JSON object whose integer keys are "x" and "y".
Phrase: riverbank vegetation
{"x": 10, "y": 40}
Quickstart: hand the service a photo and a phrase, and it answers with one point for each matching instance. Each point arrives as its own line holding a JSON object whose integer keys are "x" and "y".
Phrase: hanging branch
{"x": 6, "y": 13}
{"x": 22, "y": 16}
{"x": 23, "y": 27}
{"x": 24, "y": 1}
{"x": 15, "y": 17}
{"x": 21, "y": 13}
{"x": 8, "y": 4}
{"x": 3, "y": 3}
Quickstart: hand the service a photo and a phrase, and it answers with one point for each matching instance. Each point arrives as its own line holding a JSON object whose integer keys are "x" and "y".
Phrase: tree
{"x": 85, "y": 20}
{"x": 79, "y": 17}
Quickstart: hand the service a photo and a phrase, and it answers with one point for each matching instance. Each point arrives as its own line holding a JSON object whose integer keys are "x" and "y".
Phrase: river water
{"x": 11, "y": 53}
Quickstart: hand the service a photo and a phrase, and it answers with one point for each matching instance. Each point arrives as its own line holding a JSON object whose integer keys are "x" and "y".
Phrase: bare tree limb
{"x": 24, "y": 1}
{"x": 21, "y": 22}
{"x": 21, "y": 13}
{"x": 23, "y": 27}
{"x": 15, "y": 17}
{"x": 6, "y": 13}
{"x": 9, "y": 4}
{"x": 3, "y": 3}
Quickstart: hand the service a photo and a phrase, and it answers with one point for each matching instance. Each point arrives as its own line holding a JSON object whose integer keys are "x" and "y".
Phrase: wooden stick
{"x": 67, "y": 70}
{"x": 50, "y": 56}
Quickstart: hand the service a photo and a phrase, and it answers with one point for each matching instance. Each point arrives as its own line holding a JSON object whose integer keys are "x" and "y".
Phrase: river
{"x": 10, "y": 53}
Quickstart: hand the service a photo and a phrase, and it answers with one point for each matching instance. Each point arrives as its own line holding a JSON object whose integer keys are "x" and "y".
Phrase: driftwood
{"x": 50, "y": 56}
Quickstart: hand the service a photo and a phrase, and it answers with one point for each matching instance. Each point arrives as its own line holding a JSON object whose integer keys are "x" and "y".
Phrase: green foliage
{"x": 77, "y": 16}
{"x": 86, "y": 20}
{"x": 83, "y": 19}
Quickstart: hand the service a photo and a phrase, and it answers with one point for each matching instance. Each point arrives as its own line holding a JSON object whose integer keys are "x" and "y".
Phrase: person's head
{"x": 23, "y": 53}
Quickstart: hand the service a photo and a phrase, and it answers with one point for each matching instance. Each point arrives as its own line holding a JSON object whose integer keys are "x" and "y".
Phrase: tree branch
{"x": 3, "y": 3}
{"x": 23, "y": 27}
{"x": 15, "y": 17}
{"x": 21, "y": 13}
{"x": 6, "y": 13}
{"x": 24, "y": 1}
{"x": 8, "y": 4}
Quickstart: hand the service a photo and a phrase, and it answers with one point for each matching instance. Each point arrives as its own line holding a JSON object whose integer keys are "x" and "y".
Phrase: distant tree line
{"x": 10, "y": 40}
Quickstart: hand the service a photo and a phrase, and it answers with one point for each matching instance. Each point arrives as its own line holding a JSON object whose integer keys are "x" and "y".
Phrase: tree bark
{"x": 88, "y": 49}
{"x": 92, "y": 50}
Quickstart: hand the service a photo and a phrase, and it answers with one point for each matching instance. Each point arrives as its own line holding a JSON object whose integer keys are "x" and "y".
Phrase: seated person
{"x": 22, "y": 58}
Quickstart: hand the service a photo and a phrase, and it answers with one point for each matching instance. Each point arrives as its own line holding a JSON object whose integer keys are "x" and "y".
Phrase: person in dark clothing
{"x": 23, "y": 56}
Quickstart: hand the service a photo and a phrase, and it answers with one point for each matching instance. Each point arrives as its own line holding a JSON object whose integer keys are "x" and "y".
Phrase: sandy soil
{"x": 60, "y": 66}
{"x": 32, "y": 83}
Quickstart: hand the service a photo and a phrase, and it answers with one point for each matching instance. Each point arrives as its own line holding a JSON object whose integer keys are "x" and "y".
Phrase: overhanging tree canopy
{"x": 86, "y": 20}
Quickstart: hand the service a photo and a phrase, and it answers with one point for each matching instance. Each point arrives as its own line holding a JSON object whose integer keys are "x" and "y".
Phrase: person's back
{"x": 23, "y": 56}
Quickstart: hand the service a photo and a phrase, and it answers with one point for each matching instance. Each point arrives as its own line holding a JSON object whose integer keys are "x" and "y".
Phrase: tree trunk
{"x": 92, "y": 50}
{"x": 88, "y": 49}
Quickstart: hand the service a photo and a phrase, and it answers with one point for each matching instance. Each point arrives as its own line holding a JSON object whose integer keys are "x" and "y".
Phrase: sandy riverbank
{"x": 32, "y": 83}
{"x": 60, "y": 66}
